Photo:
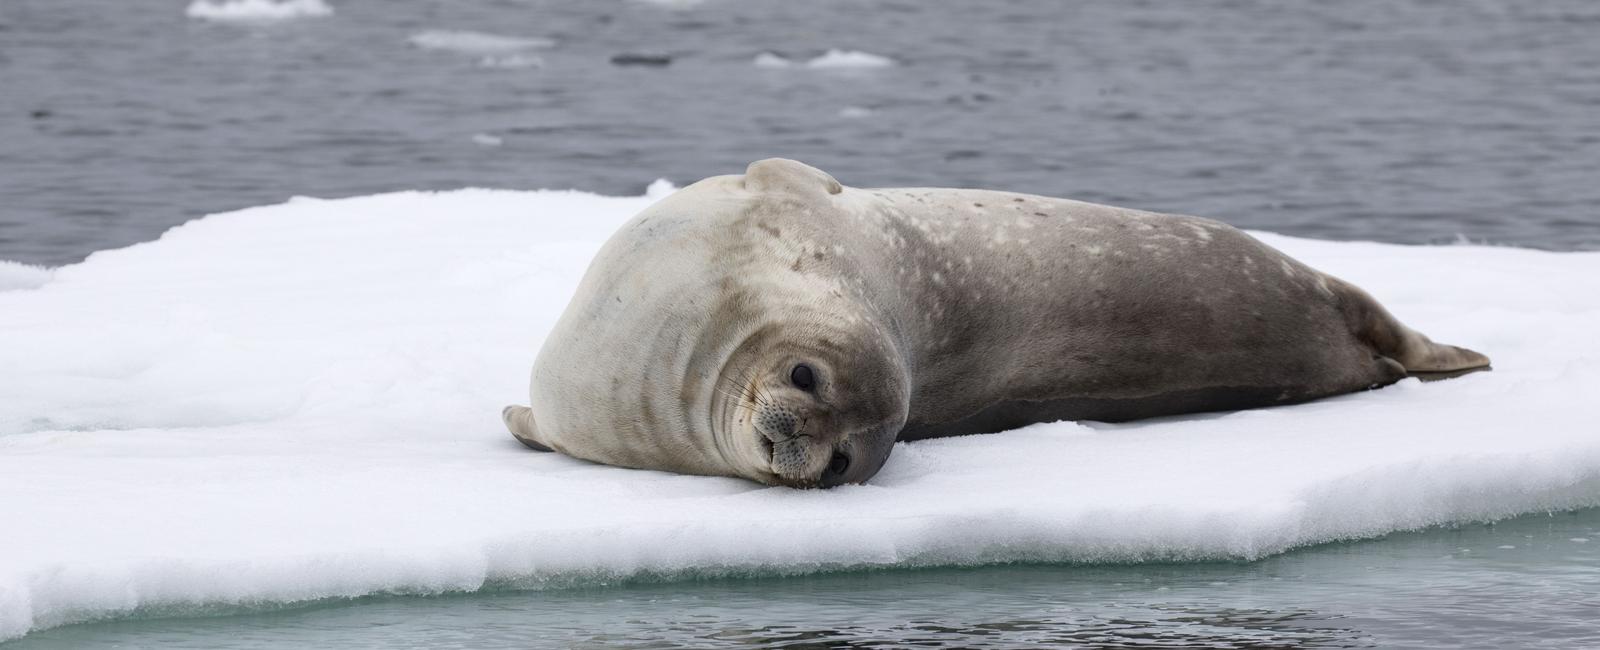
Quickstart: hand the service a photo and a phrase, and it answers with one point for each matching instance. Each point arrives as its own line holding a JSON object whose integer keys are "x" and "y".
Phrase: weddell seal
{"x": 781, "y": 327}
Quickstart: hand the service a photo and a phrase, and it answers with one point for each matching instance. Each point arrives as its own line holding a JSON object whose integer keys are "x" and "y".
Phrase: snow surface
{"x": 256, "y": 10}
{"x": 16, "y": 275}
{"x": 302, "y": 401}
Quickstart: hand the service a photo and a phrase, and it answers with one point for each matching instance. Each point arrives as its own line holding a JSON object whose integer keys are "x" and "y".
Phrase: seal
{"x": 781, "y": 327}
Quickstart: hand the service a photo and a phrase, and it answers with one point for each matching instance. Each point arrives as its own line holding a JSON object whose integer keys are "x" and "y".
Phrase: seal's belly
{"x": 1011, "y": 414}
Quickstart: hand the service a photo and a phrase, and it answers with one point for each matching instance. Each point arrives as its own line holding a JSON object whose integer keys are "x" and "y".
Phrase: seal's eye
{"x": 802, "y": 377}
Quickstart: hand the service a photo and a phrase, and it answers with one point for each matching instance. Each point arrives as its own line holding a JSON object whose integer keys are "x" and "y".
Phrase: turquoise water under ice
{"x": 1528, "y": 582}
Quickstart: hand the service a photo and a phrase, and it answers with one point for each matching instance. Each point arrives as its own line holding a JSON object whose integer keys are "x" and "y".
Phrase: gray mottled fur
{"x": 928, "y": 312}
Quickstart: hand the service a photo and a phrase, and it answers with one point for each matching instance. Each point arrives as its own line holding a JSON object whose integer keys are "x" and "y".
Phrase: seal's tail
{"x": 1389, "y": 337}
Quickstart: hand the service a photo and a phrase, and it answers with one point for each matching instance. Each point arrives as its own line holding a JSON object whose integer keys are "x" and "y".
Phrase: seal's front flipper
{"x": 519, "y": 420}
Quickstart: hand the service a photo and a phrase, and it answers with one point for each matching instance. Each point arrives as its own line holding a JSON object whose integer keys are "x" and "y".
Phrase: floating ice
{"x": 771, "y": 60}
{"x": 476, "y": 42}
{"x": 832, "y": 59}
{"x": 256, "y": 10}
{"x": 674, "y": 4}
{"x": 493, "y": 51}
{"x": 14, "y": 275}
{"x": 512, "y": 61}
{"x": 849, "y": 59}
{"x": 302, "y": 401}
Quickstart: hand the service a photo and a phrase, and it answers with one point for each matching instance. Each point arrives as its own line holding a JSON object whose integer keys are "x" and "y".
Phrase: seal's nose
{"x": 857, "y": 457}
{"x": 837, "y": 472}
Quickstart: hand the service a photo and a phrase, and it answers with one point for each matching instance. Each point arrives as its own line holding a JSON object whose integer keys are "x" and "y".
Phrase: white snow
{"x": 849, "y": 59}
{"x": 302, "y": 401}
{"x": 15, "y": 275}
{"x": 256, "y": 10}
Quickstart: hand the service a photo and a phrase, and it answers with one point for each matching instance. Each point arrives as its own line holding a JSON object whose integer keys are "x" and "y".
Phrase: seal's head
{"x": 724, "y": 332}
{"x": 806, "y": 403}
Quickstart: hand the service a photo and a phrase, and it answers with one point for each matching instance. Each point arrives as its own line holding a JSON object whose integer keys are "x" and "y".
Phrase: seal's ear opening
{"x": 784, "y": 175}
{"x": 519, "y": 420}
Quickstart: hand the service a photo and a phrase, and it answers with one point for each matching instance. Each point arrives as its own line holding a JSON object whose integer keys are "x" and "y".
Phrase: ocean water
{"x": 1529, "y": 582}
{"x": 1391, "y": 120}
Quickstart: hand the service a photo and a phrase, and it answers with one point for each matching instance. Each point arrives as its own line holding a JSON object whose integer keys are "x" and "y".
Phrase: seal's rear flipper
{"x": 1425, "y": 359}
{"x": 519, "y": 420}
{"x": 1428, "y": 360}
{"x": 1448, "y": 374}
{"x": 1421, "y": 357}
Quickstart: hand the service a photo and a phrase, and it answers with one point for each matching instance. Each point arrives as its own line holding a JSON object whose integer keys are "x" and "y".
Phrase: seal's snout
{"x": 777, "y": 422}
{"x": 838, "y": 470}
{"x": 794, "y": 450}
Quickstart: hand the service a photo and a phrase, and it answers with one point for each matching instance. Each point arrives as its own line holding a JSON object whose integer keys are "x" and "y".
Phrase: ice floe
{"x": 832, "y": 59}
{"x": 673, "y": 4}
{"x": 491, "y": 50}
{"x": 771, "y": 60}
{"x": 256, "y": 10}
{"x": 464, "y": 42}
{"x": 849, "y": 59}
{"x": 301, "y": 401}
{"x": 15, "y": 275}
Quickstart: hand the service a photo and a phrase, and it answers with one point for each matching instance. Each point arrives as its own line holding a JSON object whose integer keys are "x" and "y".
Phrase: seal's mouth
{"x": 803, "y": 462}
{"x": 834, "y": 473}
{"x": 791, "y": 459}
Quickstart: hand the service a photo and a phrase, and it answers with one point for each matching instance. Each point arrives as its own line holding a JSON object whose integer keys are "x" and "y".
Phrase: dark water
{"x": 1399, "y": 120}
{"x": 1529, "y": 582}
